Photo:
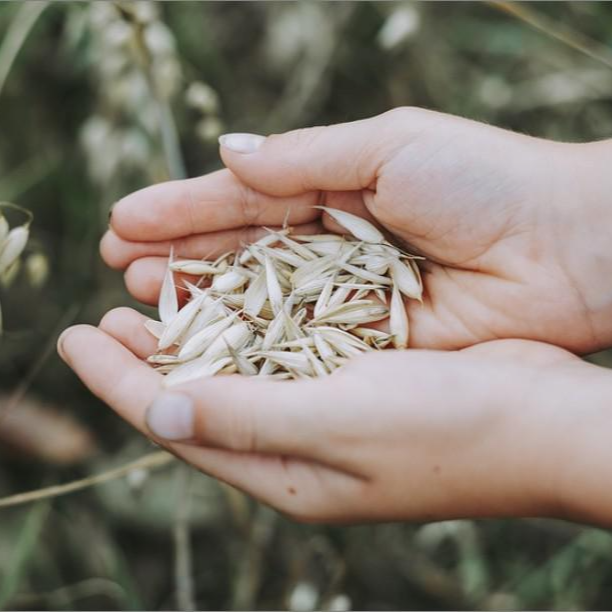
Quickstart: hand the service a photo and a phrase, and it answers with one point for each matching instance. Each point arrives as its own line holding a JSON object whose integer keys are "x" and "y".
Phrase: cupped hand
{"x": 397, "y": 435}
{"x": 513, "y": 227}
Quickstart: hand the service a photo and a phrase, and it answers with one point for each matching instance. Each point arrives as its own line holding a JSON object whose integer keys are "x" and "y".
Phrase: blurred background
{"x": 98, "y": 99}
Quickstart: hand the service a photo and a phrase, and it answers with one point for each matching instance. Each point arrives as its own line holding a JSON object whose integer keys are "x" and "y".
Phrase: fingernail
{"x": 171, "y": 417}
{"x": 241, "y": 143}
{"x": 60, "y": 343}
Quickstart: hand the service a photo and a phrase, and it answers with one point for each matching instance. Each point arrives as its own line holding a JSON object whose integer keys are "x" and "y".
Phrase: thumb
{"x": 240, "y": 414}
{"x": 342, "y": 157}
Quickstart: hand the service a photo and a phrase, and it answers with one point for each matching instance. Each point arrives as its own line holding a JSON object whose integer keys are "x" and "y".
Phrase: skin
{"x": 465, "y": 425}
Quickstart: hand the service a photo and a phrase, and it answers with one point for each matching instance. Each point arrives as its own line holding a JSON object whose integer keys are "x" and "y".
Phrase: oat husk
{"x": 287, "y": 306}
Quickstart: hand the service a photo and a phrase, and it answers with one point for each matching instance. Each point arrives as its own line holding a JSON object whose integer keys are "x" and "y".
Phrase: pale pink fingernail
{"x": 241, "y": 143}
{"x": 171, "y": 417}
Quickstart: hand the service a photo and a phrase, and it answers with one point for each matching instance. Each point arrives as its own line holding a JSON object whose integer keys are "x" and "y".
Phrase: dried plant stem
{"x": 576, "y": 40}
{"x": 175, "y": 165}
{"x": 183, "y": 575}
{"x": 28, "y": 14}
{"x": 248, "y": 577}
{"x": 65, "y": 596}
{"x": 149, "y": 462}
{"x": 170, "y": 140}
{"x": 167, "y": 125}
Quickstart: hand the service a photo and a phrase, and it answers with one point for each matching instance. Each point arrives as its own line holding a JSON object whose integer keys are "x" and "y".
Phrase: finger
{"x": 236, "y": 413}
{"x": 126, "y": 325}
{"x": 127, "y": 385}
{"x": 233, "y": 413}
{"x": 527, "y": 352}
{"x": 111, "y": 371}
{"x": 210, "y": 203}
{"x": 346, "y": 156}
{"x": 144, "y": 277}
{"x": 245, "y": 414}
{"x": 119, "y": 253}
{"x": 304, "y": 490}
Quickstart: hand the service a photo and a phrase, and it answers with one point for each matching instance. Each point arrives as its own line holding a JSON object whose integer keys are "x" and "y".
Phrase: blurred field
{"x": 87, "y": 87}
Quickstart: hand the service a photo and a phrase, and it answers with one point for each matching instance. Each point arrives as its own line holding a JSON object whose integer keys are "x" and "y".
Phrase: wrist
{"x": 511, "y": 466}
{"x": 583, "y": 188}
{"x": 575, "y": 420}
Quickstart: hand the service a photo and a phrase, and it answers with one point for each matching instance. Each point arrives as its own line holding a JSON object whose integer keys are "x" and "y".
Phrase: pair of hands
{"x": 465, "y": 425}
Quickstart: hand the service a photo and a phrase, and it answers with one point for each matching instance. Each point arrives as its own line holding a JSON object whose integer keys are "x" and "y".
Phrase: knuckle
{"x": 403, "y": 113}
{"x": 182, "y": 246}
{"x": 249, "y": 205}
{"x": 241, "y": 432}
{"x": 300, "y": 138}
{"x": 301, "y": 146}
{"x": 312, "y": 137}
{"x": 190, "y": 203}
{"x": 298, "y": 153}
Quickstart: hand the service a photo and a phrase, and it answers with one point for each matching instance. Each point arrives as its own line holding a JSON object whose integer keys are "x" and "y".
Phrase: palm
{"x": 493, "y": 269}
{"x": 485, "y": 279}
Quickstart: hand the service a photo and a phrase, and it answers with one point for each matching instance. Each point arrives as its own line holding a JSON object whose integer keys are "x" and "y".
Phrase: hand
{"x": 507, "y": 428}
{"x": 516, "y": 229}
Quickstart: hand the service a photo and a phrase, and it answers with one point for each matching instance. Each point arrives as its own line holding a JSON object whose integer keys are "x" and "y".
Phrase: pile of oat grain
{"x": 287, "y": 306}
